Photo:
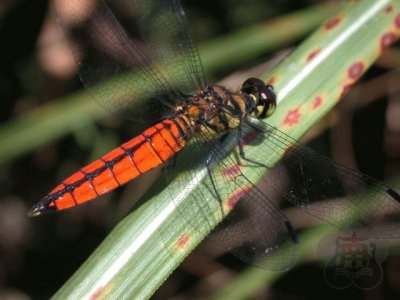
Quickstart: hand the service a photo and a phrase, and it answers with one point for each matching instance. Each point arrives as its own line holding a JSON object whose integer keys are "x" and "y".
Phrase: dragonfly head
{"x": 262, "y": 100}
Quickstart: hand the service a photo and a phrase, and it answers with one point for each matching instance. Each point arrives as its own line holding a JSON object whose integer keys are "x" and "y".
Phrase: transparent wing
{"x": 103, "y": 50}
{"x": 332, "y": 192}
{"x": 165, "y": 29}
{"x": 253, "y": 228}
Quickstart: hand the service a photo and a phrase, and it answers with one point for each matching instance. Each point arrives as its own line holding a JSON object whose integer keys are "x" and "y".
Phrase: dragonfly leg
{"x": 241, "y": 148}
{"x": 212, "y": 179}
{"x": 240, "y": 141}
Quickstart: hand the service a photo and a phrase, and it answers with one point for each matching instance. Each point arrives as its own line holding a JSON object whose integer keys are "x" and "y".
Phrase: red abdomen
{"x": 144, "y": 152}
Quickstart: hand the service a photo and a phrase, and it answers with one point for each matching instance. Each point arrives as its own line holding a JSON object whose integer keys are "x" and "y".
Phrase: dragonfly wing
{"x": 165, "y": 29}
{"x": 253, "y": 228}
{"x": 105, "y": 52}
{"x": 332, "y": 192}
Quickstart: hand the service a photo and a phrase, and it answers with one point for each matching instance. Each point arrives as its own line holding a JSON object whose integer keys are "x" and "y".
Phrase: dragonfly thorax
{"x": 213, "y": 111}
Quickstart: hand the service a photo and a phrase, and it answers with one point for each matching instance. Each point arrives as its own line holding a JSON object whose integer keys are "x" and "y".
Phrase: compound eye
{"x": 268, "y": 97}
{"x": 264, "y": 94}
{"x": 251, "y": 86}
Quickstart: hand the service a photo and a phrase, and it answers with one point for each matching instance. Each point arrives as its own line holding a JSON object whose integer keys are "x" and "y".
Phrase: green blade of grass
{"x": 140, "y": 253}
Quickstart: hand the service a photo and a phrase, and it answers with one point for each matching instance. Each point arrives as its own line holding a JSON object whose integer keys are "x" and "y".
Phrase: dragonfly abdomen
{"x": 144, "y": 152}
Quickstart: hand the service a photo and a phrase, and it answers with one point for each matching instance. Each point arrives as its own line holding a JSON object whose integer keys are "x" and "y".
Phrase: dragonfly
{"x": 202, "y": 123}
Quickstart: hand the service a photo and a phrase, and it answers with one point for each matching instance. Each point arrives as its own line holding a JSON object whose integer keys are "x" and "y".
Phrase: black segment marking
{"x": 69, "y": 188}
{"x": 89, "y": 177}
{"x": 150, "y": 142}
{"x": 162, "y": 136}
{"x": 172, "y": 135}
{"x": 129, "y": 152}
{"x": 183, "y": 133}
{"x": 110, "y": 165}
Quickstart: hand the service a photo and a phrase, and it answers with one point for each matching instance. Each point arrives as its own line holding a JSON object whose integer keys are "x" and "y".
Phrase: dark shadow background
{"x": 38, "y": 255}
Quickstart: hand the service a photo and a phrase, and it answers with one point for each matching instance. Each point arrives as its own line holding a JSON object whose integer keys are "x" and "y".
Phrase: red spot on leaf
{"x": 236, "y": 197}
{"x": 317, "y": 102}
{"x": 271, "y": 81}
{"x": 332, "y": 23}
{"x": 231, "y": 171}
{"x": 292, "y": 117}
{"x": 397, "y": 21}
{"x": 387, "y": 39}
{"x": 389, "y": 8}
{"x": 355, "y": 70}
{"x": 183, "y": 241}
{"x": 313, "y": 54}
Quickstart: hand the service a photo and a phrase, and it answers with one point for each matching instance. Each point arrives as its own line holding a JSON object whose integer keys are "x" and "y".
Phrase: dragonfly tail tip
{"x": 35, "y": 211}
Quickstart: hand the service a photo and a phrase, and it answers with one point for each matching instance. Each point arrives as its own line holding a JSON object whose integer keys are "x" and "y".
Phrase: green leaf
{"x": 149, "y": 243}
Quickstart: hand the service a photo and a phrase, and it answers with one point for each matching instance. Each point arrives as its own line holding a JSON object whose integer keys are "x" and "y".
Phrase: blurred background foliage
{"x": 37, "y": 72}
